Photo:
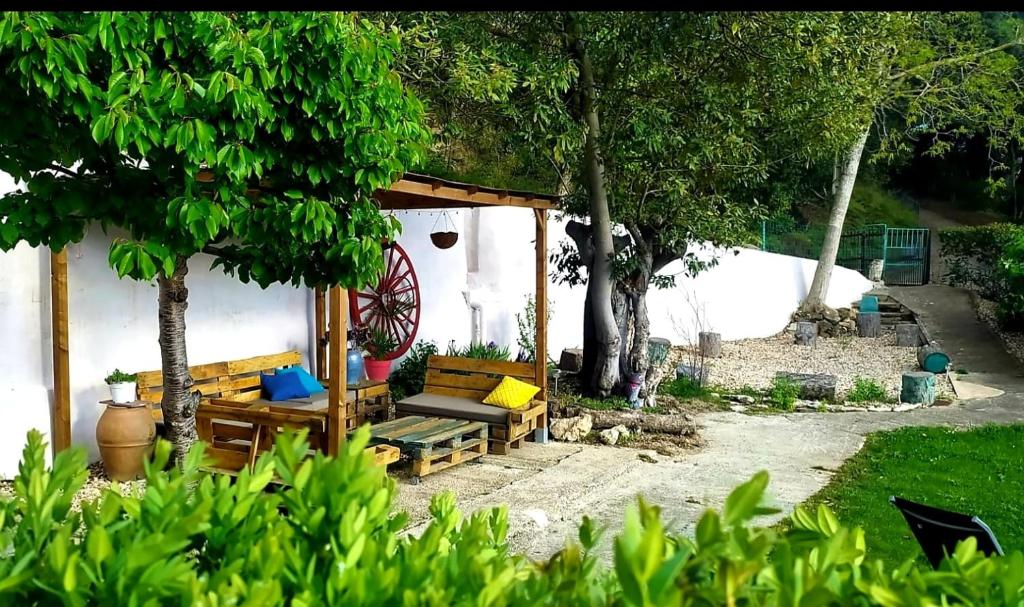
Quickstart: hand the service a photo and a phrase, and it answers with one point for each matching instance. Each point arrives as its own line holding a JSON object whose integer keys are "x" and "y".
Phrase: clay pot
{"x": 378, "y": 370}
{"x": 125, "y": 434}
{"x": 444, "y": 240}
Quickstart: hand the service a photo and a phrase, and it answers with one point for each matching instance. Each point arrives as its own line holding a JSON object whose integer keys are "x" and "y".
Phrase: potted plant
{"x": 122, "y": 386}
{"x": 379, "y": 345}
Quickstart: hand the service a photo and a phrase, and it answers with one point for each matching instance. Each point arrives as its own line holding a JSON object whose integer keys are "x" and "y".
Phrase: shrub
{"x": 866, "y": 390}
{"x": 408, "y": 378}
{"x": 972, "y": 256}
{"x": 684, "y": 387}
{"x": 330, "y": 538}
{"x": 490, "y": 351}
{"x": 784, "y": 392}
{"x": 1011, "y": 273}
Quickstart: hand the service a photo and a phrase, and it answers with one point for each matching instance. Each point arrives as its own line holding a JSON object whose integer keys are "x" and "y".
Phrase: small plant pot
{"x": 444, "y": 240}
{"x": 378, "y": 370}
{"x": 122, "y": 392}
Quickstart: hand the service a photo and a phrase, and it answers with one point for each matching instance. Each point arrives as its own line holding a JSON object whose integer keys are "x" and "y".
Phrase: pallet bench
{"x": 434, "y": 443}
{"x": 455, "y": 388}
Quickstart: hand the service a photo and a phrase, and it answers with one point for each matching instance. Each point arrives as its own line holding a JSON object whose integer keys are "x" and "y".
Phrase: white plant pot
{"x": 123, "y": 392}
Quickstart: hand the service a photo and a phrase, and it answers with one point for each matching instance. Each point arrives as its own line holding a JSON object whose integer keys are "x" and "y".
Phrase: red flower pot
{"x": 378, "y": 370}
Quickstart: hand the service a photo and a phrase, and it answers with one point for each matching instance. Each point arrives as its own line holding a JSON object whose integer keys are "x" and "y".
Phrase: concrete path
{"x": 549, "y": 489}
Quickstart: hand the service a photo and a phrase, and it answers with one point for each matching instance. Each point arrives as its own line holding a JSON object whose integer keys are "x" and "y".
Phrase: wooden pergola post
{"x": 61, "y": 418}
{"x": 338, "y": 331}
{"x": 319, "y": 301}
{"x": 541, "y": 302}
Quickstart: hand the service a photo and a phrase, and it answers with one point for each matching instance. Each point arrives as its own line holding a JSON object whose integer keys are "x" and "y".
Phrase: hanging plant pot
{"x": 446, "y": 236}
{"x": 444, "y": 240}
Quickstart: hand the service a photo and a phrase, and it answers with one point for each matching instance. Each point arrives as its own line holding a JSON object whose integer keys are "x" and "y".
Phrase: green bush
{"x": 408, "y": 378}
{"x": 972, "y": 256}
{"x": 489, "y": 351}
{"x": 866, "y": 390}
{"x": 784, "y": 392}
{"x": 684, "y": 387}
{"x": 330, "y": 538}
{"x": 1011, "y": 273}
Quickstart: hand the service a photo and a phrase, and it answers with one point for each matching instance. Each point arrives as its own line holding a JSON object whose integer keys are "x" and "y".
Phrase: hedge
{"x": 988, "y": 259}
{"x": 331, "y": 538}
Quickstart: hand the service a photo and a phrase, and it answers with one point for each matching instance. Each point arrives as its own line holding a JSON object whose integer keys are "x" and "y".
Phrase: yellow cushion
{"x": 511, "y": 394}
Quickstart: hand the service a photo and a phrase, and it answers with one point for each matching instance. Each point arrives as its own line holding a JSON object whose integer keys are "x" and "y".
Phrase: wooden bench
{"x": 238, "y": 425}
{"x": 455, "y": 388}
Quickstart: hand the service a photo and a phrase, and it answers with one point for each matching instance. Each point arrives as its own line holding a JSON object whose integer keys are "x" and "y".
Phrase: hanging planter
{"x": 444, "y": 238}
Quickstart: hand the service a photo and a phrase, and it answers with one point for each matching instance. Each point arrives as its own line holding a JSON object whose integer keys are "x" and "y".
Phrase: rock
{"x": 742, "y": 399}
{"x": 571, "y": 360}
{"x": 848, "y": 325}
{"x": 845, "y": 314}
{"x": 538, "y": 516}
{"x": 695, "y": 372}
{"x": 826, "y": 328}
{"x": 738, "y": 408}
{"x": 813, "y": 386}
{"x": 571, "y": 429}
{"x": 651, "y": 457}
{"x": 830, "y": 315}
{"x": 714, "y": 395}
{"x": 609, "y": 436}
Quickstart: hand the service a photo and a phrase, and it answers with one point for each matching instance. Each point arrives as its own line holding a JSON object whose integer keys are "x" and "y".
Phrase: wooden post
{"x": 806, "y": 333}
{"x": 541, "y": 309}
{"x": 869, "y": 324}
{"x": 918, "y": 387}
{"x": 61, "y": 365}
{"x": 321, "y": 329}
{"x": 336, "y": 371}
{"x": 908, "y": 335}
{"x": 709, "y": 344}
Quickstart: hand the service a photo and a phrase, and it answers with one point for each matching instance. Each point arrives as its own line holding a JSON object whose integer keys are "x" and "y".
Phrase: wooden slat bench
{"x": 455, "y": 388}
{"x": 435, "y": 443}
{"x": 238, "y": 424}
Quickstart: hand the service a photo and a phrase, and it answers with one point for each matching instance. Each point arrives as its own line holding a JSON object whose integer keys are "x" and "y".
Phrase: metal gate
{"x": 907, "y": 256}
{"x": 858, "y": 246}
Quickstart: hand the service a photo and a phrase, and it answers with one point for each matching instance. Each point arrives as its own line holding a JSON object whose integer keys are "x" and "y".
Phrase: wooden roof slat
{"x": 418, "y": 192}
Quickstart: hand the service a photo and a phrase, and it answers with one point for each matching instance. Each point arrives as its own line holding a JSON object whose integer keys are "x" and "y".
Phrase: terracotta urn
{"x": 125, "y": 434}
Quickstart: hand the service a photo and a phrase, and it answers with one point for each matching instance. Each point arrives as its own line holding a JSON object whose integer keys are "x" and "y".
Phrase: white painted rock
{"x": 739, "y": 408}
{"x": 571, "y": 429}
{"x": 742, "y": 399}
{"x": 611, "y": 436}
{"x": 538, "y": 516}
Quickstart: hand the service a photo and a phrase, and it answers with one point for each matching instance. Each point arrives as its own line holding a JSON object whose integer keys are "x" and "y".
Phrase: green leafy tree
{"x": 922, "y": 74}
{"x": 256, "y": 138}
{"x": 662, "y": 129}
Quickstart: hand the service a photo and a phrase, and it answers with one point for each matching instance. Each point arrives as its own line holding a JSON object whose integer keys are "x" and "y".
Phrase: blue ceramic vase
{"x": 354, "y": 367}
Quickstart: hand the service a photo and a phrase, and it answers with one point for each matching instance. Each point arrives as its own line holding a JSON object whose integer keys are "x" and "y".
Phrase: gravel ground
{"x": 753, "y": 362}
{"x": 92, "y": 488}
{"x": 1013, "y": 340}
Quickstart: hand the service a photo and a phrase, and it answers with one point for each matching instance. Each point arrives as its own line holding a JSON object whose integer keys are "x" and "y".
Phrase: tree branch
{"x": 954, "y": 60}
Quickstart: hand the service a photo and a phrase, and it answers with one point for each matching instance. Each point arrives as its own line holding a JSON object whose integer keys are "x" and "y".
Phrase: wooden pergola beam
{"x": 409, "y": 193}
{"x": 61, "y": 418}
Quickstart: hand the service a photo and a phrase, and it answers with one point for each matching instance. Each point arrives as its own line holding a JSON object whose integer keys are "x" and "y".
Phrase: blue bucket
{"x": 869, "y": 303}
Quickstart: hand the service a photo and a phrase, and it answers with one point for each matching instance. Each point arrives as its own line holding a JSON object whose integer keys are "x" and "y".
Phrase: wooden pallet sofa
{"x": 235, "y": 421}
{"x": 455, "y": 388}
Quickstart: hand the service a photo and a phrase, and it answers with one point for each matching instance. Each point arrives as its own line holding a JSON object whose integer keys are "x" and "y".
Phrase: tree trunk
{"x": 846, "y": 175}
{"x": 179, "y": 403}
{"x": 606, "y": 334}
{"x": 673, "y": 423}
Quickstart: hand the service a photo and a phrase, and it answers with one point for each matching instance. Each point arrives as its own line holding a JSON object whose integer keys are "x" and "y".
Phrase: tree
{"x": 925, "y": 74}
{"x": 665, "y": 128}
{"x": 256, "y": 138}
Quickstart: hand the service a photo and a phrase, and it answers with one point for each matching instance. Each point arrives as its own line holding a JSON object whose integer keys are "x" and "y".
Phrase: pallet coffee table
{"x": 434, "y": 443}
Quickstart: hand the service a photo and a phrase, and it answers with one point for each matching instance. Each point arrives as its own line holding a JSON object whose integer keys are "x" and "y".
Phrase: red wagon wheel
{"x": 393, "y": 305}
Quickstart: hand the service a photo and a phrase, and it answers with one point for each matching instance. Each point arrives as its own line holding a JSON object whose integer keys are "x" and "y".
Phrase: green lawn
{"x": 978, "y": 472}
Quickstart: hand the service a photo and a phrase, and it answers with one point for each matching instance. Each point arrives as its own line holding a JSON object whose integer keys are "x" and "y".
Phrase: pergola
{"x": 413, "y": 192}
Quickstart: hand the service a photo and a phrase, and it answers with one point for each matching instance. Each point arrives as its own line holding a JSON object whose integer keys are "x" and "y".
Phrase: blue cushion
{"x": 308, "y": 381}
{"x": 283, "y": 387}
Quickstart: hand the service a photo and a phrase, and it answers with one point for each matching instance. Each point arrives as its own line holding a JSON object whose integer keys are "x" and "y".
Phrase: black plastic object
{"x": 939, "y": 531}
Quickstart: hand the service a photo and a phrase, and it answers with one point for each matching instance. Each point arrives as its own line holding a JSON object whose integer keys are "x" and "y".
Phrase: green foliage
{"x": 112, "y": 116}
{"x": 380, "y": 343}
{"x": 972, "y": 256}
{"x": 488, "y": 351}
{"x": 330, "y": 537}
{"x": 872, "y": 203}
{"x": 865, "y": 390}
{"x": 686, "y": 388}
{"x": 1011, "y": 273}
{"x": 408, "y": 378}
{"x": 527, "y": 324}
{"x": 118, "y": 376}
{"x": 784, "y": 392}
{"x": 935, "y": 466}
{"x": 612, "y": 403}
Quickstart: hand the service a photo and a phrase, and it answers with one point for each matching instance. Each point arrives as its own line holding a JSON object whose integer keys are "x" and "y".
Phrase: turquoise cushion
{"x": 308, "y": 381}
{"x": 283, "y": 387}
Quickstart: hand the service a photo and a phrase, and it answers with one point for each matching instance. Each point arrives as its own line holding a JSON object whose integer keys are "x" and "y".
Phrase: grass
{"x": 684, "y": 387}
{"x": 971, "y": 471}
{"x": 783, "y": 393}
{"x": 866, "y": 390}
